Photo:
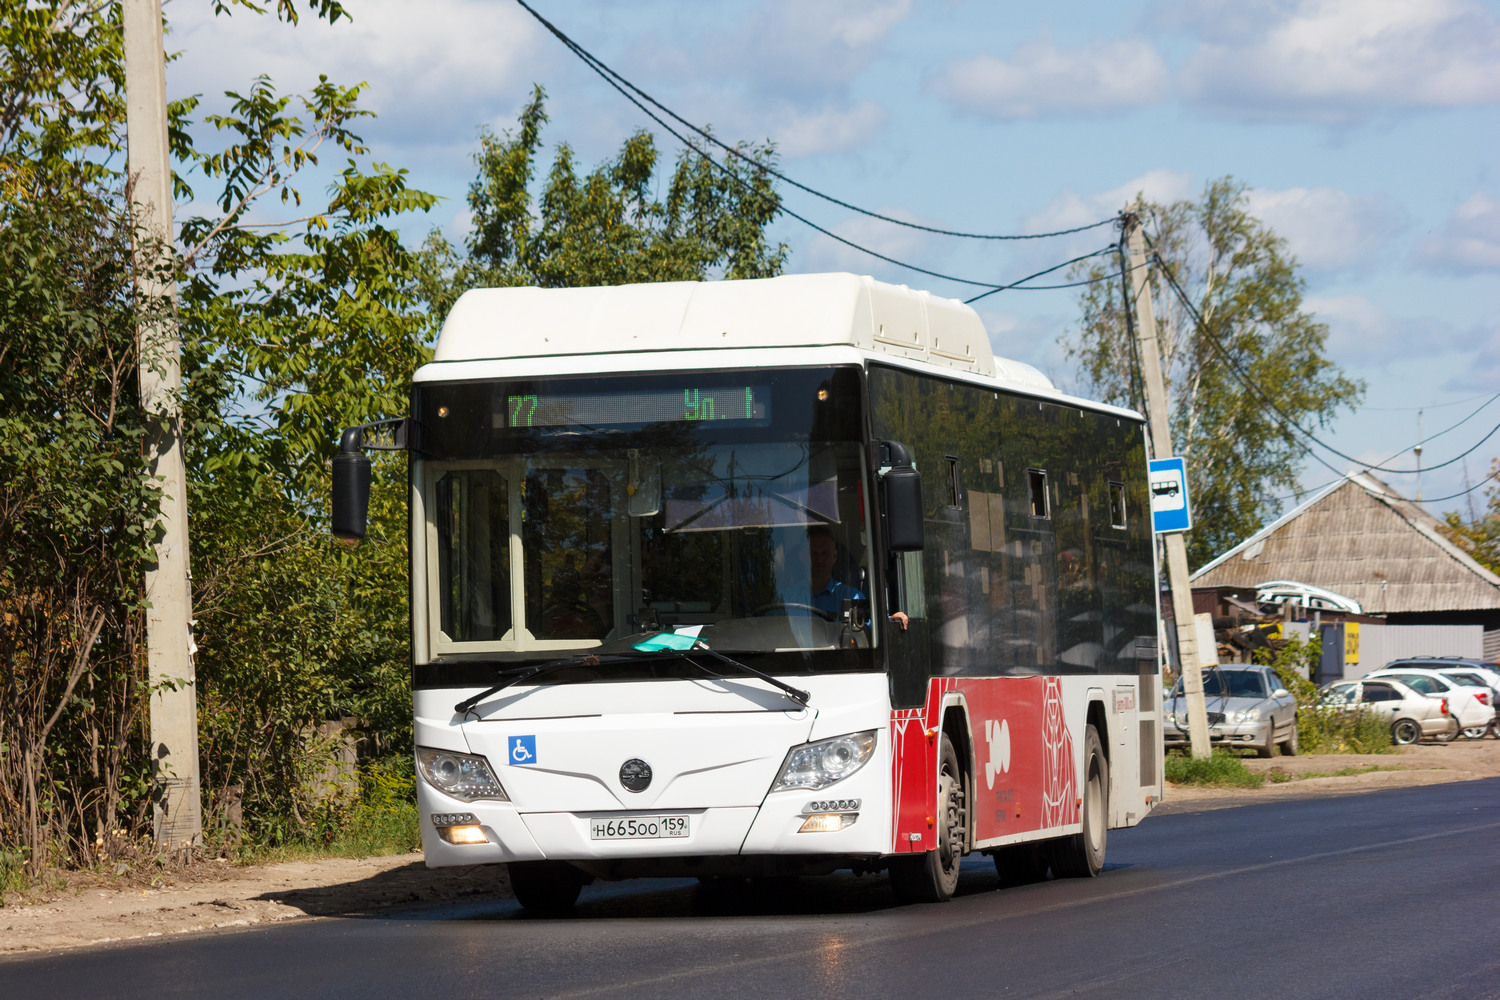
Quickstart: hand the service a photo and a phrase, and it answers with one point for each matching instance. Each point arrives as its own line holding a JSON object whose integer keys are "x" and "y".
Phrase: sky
{"x": 1367, "y": 134}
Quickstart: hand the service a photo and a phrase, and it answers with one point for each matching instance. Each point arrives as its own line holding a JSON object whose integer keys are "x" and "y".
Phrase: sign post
{"x": 1173, "y": 507}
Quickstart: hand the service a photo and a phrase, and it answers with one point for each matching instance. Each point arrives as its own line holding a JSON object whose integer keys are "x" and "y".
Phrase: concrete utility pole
{"x": 1161, "y": 447}
{"x": 178, "y": 808}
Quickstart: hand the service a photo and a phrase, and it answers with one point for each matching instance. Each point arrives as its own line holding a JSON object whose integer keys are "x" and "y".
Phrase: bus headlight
{"x": 461, "y": 775}
{"x": 818, "y": 765}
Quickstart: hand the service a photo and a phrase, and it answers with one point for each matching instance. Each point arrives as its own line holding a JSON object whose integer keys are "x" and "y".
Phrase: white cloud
{"x": 898, "y": 242}
{"x": 426, "y": 78}
{"x": 1361, "y": 334}
{"x": 794, "y": 44}
{"x": 1227, "y": 21}
{"x": 1040, "y": 79}
{"x": 1326, "y": 228}
{"x": 1332, "y": 60}
{"x": 804, "y": 132}
{"x": 1069, "y": 209}
{"x": 1468, "y": 241}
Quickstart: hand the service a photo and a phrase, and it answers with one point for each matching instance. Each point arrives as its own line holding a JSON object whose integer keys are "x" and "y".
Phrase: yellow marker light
{"x": 827, "y": 822}
{"x": 463, "y": 834}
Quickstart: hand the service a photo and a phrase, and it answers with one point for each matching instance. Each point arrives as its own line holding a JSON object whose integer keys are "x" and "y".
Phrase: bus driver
{"x": 829, "y": 594}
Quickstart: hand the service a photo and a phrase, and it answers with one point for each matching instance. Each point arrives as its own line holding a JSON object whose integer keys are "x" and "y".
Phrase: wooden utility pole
{"x": 1161, "y": 447}
{"x": 178, "y": 808}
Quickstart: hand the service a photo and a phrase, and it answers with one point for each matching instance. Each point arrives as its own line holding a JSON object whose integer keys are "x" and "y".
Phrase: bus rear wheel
{"x": 546, "y": 888}
{"x": 932, "y": 876}
{"x": 1082, "y": 855}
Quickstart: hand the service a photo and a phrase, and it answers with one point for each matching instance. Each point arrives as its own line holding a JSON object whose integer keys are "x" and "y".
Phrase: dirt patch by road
{"x": 216, "y": 896}
{"x": 1313, "y": 775}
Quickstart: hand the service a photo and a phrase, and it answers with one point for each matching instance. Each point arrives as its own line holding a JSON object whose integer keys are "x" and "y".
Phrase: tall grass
{"x": 383, "y": 820}
{"x": 1222, "y": 769}
{"x": 1322, "y": 728}
{"x": 14, "y": 876}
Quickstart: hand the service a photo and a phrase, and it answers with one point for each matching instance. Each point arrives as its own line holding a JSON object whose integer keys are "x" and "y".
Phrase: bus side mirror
{"x": 351, "y": 487}
{"x": 901, "y": 493}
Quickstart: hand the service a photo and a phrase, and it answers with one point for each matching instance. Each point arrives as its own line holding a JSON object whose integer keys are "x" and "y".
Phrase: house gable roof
{"x": 1362, "y": 539}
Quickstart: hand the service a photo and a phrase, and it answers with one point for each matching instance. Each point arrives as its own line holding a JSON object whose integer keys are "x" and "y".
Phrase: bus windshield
{"x": 577, "y": 514}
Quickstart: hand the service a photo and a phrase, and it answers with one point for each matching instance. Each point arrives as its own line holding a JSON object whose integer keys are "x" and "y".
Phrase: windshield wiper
{"x": 465, "y": 707}
{"x": 671, "y": 642}
{"x": 796, "y": 694}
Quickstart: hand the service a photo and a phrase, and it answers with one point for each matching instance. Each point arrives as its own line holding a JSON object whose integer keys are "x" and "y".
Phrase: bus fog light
{"x": 827, "y": 822}
{"x": 463, "y": 834}
{"x": 817, "y": 765}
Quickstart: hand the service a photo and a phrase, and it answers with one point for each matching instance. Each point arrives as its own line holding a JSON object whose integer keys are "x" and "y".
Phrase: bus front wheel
{"x": 932, "y": 876}
{"x": 1082, "y": 855}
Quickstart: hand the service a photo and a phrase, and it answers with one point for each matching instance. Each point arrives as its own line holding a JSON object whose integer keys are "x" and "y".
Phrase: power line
{"x": 689, "y": 144}
{"x": 1287, "y": 421}
{"x": 1445, "y": 430}
{"x": 1429, "y": 406}
{"x": 1055, "y": 267}
{"x": 610, "y": 76}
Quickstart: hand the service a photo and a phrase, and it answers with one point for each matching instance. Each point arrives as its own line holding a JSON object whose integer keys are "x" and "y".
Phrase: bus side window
{"x": 1116, "y": 505}
{"x": 911, "y": 593}
{"x": 1037, "y": 479}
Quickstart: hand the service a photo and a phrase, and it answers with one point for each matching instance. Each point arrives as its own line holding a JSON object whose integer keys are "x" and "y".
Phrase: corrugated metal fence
{"x": 1380, "y": 644}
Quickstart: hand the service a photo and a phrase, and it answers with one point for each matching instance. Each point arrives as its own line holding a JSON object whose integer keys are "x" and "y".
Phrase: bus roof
{"x": 794, "y": 310}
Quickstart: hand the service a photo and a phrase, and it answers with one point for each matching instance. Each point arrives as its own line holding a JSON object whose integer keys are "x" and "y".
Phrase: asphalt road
{"x": 1387, "y": 895}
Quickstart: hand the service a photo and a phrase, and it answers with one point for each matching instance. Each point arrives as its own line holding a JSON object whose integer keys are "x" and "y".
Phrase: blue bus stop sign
{"x": 1169, "y": 495}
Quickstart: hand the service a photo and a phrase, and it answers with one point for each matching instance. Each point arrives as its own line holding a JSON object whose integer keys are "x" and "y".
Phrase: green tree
{"x": 74, "y": 491}
{"x": 1242, "y": 455}
{"x": 74, "y": 502}
{"x": 607, "y": 227}
{"x": 291, "y": 331}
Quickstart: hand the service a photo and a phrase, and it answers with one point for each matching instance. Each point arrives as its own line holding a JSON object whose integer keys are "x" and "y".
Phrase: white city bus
{"x": 767, "y": 578}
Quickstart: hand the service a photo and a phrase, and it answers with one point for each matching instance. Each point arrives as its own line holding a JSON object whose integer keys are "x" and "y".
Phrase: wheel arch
{"x": 1097, "y": 717}
{"x": 955, "y": 725}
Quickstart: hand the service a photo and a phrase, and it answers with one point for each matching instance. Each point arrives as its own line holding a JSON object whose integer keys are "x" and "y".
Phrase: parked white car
{"x": 1410, "y": 714}
{"x": 1487, "y": 678}
{"x": 1469, "y": 703}
{"x": 1462, "y": 670}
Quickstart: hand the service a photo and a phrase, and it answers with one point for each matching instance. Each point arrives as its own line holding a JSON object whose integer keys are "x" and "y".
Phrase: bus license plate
{"x": 638, "y": 827}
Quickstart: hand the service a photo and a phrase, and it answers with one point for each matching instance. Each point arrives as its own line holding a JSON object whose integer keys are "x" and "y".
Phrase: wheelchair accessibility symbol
{"x": 523, "y": 749}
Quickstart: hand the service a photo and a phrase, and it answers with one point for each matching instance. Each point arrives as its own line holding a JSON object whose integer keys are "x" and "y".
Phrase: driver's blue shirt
{"x": 832, "y": 597}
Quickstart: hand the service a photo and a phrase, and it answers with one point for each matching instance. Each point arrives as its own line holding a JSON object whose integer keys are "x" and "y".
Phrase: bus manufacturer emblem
{"x": 635, "y": 774}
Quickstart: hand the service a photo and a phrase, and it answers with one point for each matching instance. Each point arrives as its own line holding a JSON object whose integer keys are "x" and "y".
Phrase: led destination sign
{"x": 738, "y": 404}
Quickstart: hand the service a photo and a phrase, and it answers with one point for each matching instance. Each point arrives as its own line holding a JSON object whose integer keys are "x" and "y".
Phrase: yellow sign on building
{"x": 1351, "y": 643}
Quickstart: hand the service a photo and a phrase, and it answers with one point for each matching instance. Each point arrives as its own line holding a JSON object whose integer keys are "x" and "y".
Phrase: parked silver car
{"x": 1411, "y": 714}
{"x": 1247, "y": 707}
